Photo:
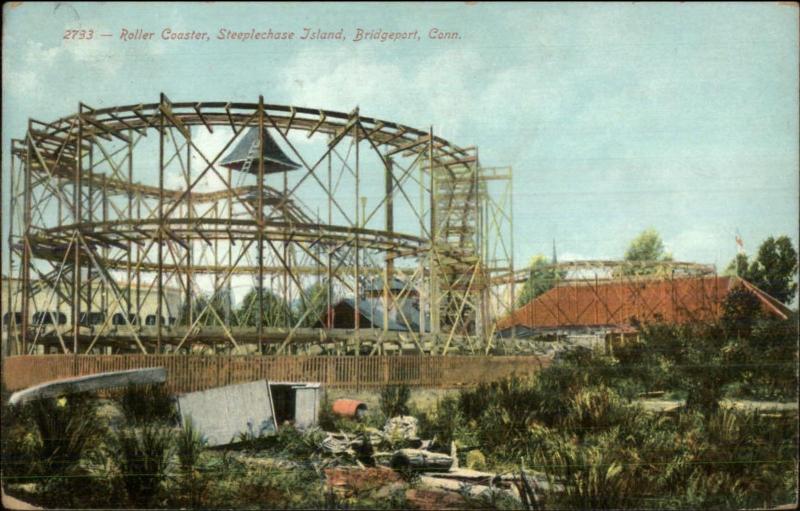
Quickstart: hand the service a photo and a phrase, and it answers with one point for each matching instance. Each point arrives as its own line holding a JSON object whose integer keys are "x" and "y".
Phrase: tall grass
{"x": 193, "y": 483}
{"x": 143, "y": 455}
{"x": 66, "y": 428}
{"x": 189, "y": 444}
{"x": 575, "y": 422}
{"x": 58, "y": 444}
{"x": 394, "y": 400}
{"x": 148, "y": 403}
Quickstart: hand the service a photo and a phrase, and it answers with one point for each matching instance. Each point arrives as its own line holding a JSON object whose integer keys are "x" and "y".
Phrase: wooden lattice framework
{"x": 115, "y": 193}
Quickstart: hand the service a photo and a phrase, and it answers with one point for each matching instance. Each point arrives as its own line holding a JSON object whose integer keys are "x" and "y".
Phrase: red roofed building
{"x": 619, "y": 306}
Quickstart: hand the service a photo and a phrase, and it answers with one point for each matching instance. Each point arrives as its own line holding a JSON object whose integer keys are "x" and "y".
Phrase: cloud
{"x": 702, "y": 243}
{"x": 438, "y": 89}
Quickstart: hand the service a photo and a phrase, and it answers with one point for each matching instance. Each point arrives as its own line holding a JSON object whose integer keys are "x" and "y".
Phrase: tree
{"x": 774, "y": 270}
{"x": 276, "y": 311}
{"x": 315, "y": 303}
{"x": 740, "y": 311}
{"x": 219, "y": 302}
{"x": 540, "y": 279}
{"x": 738, "y": 266}
{"x": 647, "y": 247}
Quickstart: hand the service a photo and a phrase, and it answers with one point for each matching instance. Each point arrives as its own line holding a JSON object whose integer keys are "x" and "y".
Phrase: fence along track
{"x": 191, "y": 373}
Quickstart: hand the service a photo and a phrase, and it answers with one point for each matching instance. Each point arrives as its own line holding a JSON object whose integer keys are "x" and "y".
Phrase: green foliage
{"x": 700, "y": 356}
{"x": 278, "y": 488}
{"x": 394, "y": 400}
{"x": 57, "y": 443}
{"x": 189, "y": 444}
{"x": 575, "y": 421}
{"x": 148, "y": 403}
{"x": 772, "y": 345}
{"x": 326, "y": 418}
{"x": 67, "y": 428}
{"x": 143, "y": 455}
{"x": 277, "y": 313}
{"x": 193, "y": 484}
{"x": 647, "y": 246}
{"x": 595, "y": 475}
{"x": 299, "y": 444}
{"x": 447, "y": 423}
{"x": 737, "y": 267}
{"x": 540, "y": 279}
{"x": 644, "y": 253}
{"x": 774, "y": 269}
{"x": 706, "y": 360}
{"x": 20, "y": 443}
{"x": 313, "y": 304}
{"x": 502, "y": 412}
{"x": 209, "y": 308}
{"x": 741, "y": 309}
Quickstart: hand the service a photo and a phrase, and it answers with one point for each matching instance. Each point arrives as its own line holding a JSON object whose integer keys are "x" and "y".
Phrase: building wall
{"x": 45, "y": 300}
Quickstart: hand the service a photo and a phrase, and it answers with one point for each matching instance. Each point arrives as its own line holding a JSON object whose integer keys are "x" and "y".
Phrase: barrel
{"x": 352, "y": 408}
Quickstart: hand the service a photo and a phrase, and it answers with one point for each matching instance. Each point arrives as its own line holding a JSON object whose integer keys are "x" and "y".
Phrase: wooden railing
{"x": 187, "y": 373}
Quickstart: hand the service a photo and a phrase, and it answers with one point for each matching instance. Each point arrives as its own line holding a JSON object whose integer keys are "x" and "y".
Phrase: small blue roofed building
{"x": 403, "y": 309}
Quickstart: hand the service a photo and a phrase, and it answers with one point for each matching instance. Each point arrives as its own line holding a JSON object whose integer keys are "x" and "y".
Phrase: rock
{"x": 434, "y": 499}
{"x": 465, "y": 488}
{"x": 387, "y": 491}
{"x": 402, "y": 427}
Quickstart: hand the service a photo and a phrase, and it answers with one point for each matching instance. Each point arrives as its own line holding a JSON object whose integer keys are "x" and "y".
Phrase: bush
{"x": 144, "y": 456}
{"x": 58, "y": 443}
{"x": 193, "y": 484}
{"x": 19, "y": 443}
{"x": 189, "y": 444}
{"x": 148, "y": 403}
{"x": 326, "y": 418}
{"x": 446, "y": 424}
{"x": 67, "y": 428}
{"x": 394, "y": 400}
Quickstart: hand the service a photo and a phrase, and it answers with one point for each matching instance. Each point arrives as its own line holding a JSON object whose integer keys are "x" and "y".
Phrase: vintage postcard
{"x": 399, "y": 255}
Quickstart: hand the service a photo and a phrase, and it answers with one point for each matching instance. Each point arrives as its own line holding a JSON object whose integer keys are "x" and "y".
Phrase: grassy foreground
{"x": 579, "y": 423}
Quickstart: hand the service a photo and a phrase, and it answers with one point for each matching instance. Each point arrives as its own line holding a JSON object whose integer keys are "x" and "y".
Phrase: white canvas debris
{"x": 90, "y": 383}
{"x": 224, "y": 413}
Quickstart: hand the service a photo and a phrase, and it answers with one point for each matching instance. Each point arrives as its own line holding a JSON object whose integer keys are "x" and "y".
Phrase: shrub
{"x": 394, "y": 400}
{"x": 447, "y": 423}
{"x": 594, "y": 409}
{"x": 58, "y": 443}
{"x": 144, "y": 457}
{"x": 148, "y": 403}
{"x": 19, "y": 443}
{"x": 279, "y": 488}
{"x": 67, "y": 427}
{"x": 193, "y": 485}
{"x": 326, "y": 418}
{"x": 189, "y": 444}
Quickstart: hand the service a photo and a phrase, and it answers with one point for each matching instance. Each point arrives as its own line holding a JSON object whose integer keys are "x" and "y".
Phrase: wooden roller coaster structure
{"x": 116, "y": 211}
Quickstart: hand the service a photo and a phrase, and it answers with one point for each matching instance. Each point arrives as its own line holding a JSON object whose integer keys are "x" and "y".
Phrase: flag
{"x": 739, "y": 243}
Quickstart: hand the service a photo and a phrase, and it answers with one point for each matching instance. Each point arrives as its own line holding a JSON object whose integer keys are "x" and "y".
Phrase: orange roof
{"x": 633, "y": 301}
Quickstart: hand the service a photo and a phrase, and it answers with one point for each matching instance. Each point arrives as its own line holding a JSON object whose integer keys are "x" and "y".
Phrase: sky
{"x": 614, "y": 117}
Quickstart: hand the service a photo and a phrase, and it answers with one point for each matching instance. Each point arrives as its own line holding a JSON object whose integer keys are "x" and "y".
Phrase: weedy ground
{"x": 578, "y": 423}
